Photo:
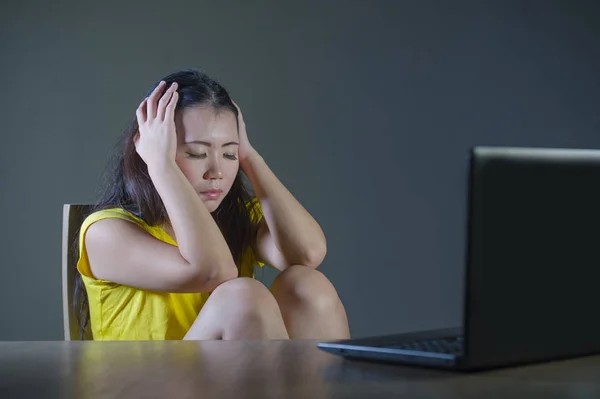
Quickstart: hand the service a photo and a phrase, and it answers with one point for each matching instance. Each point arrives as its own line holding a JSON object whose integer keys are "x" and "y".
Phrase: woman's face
{"x": 207, "y": 151}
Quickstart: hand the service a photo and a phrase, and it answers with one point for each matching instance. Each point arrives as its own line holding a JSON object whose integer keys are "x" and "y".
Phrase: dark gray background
{"x": 364, "y": 109}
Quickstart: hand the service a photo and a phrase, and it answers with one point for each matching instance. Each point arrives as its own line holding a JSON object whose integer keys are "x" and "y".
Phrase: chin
{"x": 212, "y": 205}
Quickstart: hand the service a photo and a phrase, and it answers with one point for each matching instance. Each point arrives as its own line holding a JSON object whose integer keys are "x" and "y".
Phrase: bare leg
{"x": 310, "y": 304}
{"x": 239, "y": 309}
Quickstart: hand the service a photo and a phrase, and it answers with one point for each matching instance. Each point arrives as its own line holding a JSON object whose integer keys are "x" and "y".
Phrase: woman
{"x": 169, "y": 251}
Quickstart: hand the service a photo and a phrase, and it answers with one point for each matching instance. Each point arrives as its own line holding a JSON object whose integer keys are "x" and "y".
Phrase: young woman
{"x": 170, "y": 249}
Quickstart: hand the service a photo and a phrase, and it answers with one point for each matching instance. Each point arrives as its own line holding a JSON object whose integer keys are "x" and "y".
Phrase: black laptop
{"x": 532, "y": 267}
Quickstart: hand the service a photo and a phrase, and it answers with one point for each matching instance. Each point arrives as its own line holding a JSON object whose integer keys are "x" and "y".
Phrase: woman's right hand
{"x": 156, "y": 141}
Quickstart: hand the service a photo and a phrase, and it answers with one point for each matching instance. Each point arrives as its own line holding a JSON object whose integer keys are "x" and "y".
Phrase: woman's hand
{"x": 156, "y": 141}
{"x": 245, "y": 151}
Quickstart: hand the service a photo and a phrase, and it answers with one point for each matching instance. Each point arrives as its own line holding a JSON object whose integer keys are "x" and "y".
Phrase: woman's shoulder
{"x": 104, "y": 214}
{"x": 113, "y": 213}
{"x": 124, "y": 215}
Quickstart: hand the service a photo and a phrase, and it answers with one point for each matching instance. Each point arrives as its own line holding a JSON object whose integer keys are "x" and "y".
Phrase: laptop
{"x": 532, "y": 275}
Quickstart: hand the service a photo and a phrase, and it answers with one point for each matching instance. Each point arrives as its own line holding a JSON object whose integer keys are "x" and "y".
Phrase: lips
{"x": 212, "y": 193}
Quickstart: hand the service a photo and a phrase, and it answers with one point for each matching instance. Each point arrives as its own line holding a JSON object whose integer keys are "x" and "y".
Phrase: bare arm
{"x": 123, "y": 253}
{"x": 288, "y": 234}
{"x": 199, "y": 239}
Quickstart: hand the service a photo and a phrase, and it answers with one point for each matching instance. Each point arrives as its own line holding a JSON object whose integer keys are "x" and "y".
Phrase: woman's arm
{"x": 287, "y": 234}
{"x": 199, "y": 239}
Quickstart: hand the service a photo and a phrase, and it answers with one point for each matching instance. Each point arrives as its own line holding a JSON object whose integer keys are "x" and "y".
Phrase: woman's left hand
{"x": 245, "y": 151}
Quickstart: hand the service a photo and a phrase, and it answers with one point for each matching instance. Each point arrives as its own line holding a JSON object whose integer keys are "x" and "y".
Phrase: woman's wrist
{"x": 248, "y": 160}
{"x": 157, "y": 168}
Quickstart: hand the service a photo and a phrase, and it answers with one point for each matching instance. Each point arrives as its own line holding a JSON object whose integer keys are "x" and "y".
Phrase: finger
{"x": 140, "y": 112}
{"x": 152, "y": 99}
{"x": 164, "y": 100}
{"x": 240, "y": 116}
{"x": 170, "y": 109}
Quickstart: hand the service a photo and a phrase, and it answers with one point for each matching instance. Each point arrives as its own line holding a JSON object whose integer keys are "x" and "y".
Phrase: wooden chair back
{"x": 73, "y": 216}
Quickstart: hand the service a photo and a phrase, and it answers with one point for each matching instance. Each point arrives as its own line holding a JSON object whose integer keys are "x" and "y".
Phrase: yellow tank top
{"x": 119, "y": 312}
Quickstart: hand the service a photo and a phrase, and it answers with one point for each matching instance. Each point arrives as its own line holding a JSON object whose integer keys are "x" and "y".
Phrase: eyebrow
{"x": 206, "y": 143}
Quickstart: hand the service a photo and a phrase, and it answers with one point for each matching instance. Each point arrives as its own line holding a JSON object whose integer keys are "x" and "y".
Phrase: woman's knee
{"x": 243, "y": 290}
{"x": 305, "y": 286}
{"x": 248, "y": 310}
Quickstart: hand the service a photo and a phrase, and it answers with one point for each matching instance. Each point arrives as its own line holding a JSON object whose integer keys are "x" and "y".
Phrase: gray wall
{"x": 364, "y": 109}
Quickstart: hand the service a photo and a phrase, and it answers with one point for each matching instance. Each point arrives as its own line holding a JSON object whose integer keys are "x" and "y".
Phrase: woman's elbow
{"x": 217, "y": 276}
{"x": 314, "y": 256}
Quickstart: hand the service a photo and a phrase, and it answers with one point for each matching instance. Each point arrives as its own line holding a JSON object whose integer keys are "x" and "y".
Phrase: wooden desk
{"x": 275, "y": 369}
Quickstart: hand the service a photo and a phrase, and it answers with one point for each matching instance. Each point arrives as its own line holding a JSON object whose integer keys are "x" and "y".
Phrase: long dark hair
{"x": 128, "y": 185}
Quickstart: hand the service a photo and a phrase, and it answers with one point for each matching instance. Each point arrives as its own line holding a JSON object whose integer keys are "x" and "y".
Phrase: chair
{"x": 73, "y": 216}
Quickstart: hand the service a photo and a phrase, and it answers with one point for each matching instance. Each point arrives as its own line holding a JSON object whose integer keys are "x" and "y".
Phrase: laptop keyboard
{"x": 450, "y": 345}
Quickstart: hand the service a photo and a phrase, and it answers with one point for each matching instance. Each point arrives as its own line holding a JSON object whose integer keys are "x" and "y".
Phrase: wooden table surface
{"x": 266, "y": 369}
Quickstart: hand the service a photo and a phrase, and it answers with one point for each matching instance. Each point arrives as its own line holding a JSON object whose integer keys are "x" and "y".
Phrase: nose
{"x": 214, "y": 169}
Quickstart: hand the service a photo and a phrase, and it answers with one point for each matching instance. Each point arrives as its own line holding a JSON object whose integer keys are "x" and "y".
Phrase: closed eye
{"x": 196, "y": 156}
{"x": 230, "y": 156}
